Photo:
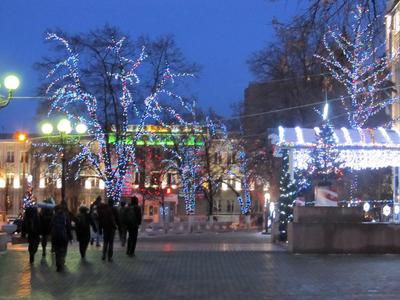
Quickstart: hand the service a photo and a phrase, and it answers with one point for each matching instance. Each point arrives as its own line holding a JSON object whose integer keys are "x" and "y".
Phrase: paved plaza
{"x": 237, "y": 265}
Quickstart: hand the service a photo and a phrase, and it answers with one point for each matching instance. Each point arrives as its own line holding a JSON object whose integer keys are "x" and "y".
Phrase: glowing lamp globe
{"x": 22, "y": 137}
{"x": 81, "y": 128}
{"x": 386, "y": 210}
{"x": 397, "y": 209}
{"x": 11, "y": 82}
{"x": 64, "y": 126}
{"x": 47, "y": 128}
{"x": 366, "y": 207}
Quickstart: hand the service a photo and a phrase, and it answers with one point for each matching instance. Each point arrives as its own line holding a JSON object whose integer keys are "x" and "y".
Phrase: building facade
{"x": 15, "y": 174}
{"x": 23, "y": 166}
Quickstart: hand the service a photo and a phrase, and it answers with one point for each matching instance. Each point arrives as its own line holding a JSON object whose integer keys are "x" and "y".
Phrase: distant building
{"x": 15, "y": 172}
{"x": 22, "y": 165}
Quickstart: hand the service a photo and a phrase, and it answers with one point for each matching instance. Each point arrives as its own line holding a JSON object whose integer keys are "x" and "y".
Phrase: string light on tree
{"x": 324, "y": 162}
{"x": 288, "y": 193}
{"x": 354, "y": 61}
{"x": 112, "y": 155}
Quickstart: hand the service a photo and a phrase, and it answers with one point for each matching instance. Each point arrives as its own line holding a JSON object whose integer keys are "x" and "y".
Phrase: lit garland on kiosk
{"x": 358, "y": 149}
{"x": 110, "y": 161}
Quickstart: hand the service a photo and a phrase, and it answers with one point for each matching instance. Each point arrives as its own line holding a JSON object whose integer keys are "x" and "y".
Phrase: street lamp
{"x": 11, "y": 83}
{"x": 64, "y": 138}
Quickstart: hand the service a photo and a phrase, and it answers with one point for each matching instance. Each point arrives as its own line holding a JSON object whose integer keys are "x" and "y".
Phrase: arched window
{"x": 151, "y": 211}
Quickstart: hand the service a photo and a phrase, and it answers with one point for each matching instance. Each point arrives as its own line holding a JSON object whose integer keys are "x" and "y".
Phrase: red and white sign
{"x": 325, "y": 196}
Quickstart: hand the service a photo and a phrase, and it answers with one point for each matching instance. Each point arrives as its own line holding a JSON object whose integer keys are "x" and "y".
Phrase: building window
{"x": 136, "y": 179}
{"x": 231, "y": 158}
{"x": 396, "y": 22}
{"x": 169, "y": 178}
{"x": 151, "y": 211}
{"x": 24, "y": 157}
{"x": 217, "y": 158}
{"x": 10, "y": 179}
{"x": 155, "y": 178}
{"x": 10, "y": 156}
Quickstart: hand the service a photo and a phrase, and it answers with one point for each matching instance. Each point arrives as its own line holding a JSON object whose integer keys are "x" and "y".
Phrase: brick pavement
{"x": 176, "y": 272}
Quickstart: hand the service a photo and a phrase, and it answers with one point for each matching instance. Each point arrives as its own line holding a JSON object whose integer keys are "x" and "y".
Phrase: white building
{"x": 393, "y": 46}
{"x": 15, "y": 172}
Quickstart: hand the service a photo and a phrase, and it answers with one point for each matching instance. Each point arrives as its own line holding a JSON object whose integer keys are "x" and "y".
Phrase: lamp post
{"x": 64, "y": 138}
{"x": 11, "y": 83}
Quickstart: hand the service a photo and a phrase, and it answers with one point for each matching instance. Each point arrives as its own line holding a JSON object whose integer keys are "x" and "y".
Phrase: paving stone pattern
{"x": 170, "y": 268}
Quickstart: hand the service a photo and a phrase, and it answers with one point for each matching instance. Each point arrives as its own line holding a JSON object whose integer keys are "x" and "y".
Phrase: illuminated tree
{"x": 324, "y": 162}
{"x": 96, "y": 82}
{"x": 185, "y": 155}
{"x": 358, "y": 65}
{"x": 288, "y": 193}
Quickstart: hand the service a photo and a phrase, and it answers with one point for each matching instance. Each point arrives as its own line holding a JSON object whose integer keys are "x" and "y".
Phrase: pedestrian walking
{"x": 95, "y": 217}
{"x": 60, "y": 234}
{"x": 133, "y": 220}
{"x": 83, "y": 223}
{"x": 46, "y": 214}
{"x": 108, "y": 223}
{"x": 123, "y": 222}
{"x": 31, "y": 228}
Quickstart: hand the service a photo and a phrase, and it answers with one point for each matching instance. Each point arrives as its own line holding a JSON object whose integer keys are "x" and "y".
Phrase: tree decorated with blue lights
{"x": 288, "y": 193}
{"x": 213, "y": 171}
{"x": 96, "y": 82}
{"x": 244, "y": 199}
{"x": 184, "y": 159}
{"x": 245, "y": 170}
{"x": 360, "y": 67}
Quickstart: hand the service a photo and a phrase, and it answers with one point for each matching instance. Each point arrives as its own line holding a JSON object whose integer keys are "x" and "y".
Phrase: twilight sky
{"x": 217, "y": 34}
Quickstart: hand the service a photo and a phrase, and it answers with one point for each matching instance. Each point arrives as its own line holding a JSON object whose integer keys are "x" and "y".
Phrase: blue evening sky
{"x": 217, "y": 34}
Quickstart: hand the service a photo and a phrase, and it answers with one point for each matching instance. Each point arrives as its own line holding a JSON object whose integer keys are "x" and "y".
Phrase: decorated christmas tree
{"x": 288, "y": 193}
{"x": 325, "y": 163}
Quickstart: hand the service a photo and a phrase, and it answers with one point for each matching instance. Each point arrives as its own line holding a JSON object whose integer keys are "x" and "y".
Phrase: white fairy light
{"x": 386, "y": 210}
{"x": 281, "y": 134}
{"x": 299, "y": 135}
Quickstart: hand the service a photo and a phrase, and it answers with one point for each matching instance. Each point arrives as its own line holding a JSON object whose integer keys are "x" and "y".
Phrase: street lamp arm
{"x": 11, "y": 83}
{"x": 4, "y": 101}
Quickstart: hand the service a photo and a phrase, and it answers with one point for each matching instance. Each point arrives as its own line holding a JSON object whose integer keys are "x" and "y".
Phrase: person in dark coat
{"x": 60, "y": 234}
{"x": 133, "y": 220}
{"x": 46, "y": 214}
{"x": 108, "y": 223}
{"x": 83, "y": 222}
{"x": 122, "y": 228}
{"x": 31, "y": 227}
{"x": 95, "y": 217}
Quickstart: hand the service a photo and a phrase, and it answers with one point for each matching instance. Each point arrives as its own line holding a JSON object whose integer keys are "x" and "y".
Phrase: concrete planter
{"x": 339, "y": 230}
